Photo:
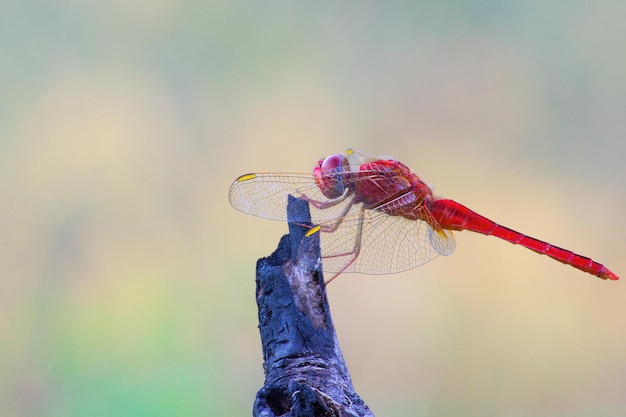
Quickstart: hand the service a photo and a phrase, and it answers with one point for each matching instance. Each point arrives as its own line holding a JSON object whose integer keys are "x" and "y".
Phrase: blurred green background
{"x": 127, "y": 280}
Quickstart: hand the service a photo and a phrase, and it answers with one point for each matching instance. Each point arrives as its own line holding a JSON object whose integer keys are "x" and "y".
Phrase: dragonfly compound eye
{"x": 328, "y": 175}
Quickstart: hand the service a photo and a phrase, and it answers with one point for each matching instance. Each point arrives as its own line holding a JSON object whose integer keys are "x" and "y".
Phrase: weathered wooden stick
{"x": 305, "y": 373}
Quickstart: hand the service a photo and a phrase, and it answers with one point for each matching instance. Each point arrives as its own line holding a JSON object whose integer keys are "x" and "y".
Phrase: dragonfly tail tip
{"x": 609, "y": 275}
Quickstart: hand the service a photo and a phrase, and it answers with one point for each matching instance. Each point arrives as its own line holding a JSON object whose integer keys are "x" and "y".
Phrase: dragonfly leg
{"x": 325, "y": 204}
{"x": 330, "y": 228}
{"x": 354, "y": 253}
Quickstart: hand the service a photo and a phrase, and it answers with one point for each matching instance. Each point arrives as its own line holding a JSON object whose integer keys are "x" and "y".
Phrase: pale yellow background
{"x": 127, "y": 280}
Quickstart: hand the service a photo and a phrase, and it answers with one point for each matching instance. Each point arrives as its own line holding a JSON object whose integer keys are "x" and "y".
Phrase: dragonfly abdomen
{"x": 454, "y": 216}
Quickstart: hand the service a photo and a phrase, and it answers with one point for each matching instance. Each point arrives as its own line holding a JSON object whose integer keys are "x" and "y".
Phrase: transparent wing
{"x": 376, "y": 243}
{"x": 265, "y": 194}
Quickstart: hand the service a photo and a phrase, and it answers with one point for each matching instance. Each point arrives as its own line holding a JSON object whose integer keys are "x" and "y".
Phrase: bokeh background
{"x": 127, "y": 280}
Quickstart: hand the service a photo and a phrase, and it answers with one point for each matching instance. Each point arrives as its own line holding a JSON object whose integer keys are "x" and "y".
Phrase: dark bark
{"x": 305, "y": 373}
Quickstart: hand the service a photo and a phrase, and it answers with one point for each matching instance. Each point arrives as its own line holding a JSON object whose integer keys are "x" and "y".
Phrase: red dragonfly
{"x": 375, "y": 216}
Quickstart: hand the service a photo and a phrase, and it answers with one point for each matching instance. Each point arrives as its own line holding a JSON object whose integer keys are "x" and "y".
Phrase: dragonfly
{"x": 375, "y": 216}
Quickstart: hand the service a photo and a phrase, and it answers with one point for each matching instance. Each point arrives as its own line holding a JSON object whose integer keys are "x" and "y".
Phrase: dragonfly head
{"x": 328, "y": 176}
